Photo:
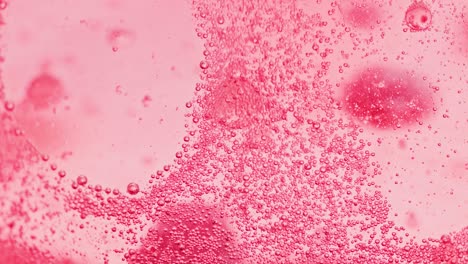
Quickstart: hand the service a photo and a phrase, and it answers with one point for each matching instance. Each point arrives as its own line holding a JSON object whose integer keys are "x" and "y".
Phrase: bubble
{"x": 81, "y": 180}
{"x": 44, "y": 91}
{"x": 418, "y": 17}
{"x": 3, "y": 4}
{"x": 9, "y": 106}
{"x": 62, "y": 173}
{"x": 45, "y": 157}
{"x": 133, "y": 188}
{"x": 204, "y": 65}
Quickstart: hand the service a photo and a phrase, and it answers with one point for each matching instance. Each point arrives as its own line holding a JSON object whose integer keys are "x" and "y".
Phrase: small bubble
{"x": 204, "y": 65}
{"x": 45, "y": 157}
{"x": 3, "y": 5}
{"x": 133, "y": 188}
{"x": 62, "y": 173}
{"x": 9, "y": 106}
{"x": 81, "y": 180}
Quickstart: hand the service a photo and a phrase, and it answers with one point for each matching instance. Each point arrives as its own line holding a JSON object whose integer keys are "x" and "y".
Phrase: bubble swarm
{"x": 274, "y": 167}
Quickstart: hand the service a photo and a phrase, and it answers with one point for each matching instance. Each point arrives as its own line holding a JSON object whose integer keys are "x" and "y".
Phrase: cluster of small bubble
{"x": 31, "y": 199}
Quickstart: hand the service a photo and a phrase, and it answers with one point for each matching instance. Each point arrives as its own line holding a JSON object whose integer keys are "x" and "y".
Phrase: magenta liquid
{"x": 237, "y": 131}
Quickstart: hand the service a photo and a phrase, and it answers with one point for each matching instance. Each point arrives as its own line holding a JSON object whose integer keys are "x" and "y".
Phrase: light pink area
{"x": 127, "y": 71}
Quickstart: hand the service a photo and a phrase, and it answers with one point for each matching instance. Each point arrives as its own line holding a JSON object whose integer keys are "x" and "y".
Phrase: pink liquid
{"x": 233, "y": 132}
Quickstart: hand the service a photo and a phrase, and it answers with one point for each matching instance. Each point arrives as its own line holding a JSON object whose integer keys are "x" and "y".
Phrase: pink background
{"x": 110, "y": 55}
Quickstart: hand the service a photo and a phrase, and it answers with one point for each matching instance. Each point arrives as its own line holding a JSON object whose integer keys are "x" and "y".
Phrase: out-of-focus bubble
{"x": 9, "y": 106}
{"x": 120, "y": 38}
{"x": 44, "y": 91}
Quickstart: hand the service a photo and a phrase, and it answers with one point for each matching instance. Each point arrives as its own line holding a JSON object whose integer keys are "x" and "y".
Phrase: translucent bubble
{"x": 418, "y": 17}
{"x": 133, "y": 188}
{"x": 44, "y": 90}
{"x": 204, "y": 65}
{"x": 82, "y": 180}
{"x": 9, "y": 106}
{"x": 3, "y": 4}
{"x": 62, "y": 173}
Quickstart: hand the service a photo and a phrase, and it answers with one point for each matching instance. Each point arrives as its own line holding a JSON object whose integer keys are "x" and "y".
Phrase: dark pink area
{"x": 187, "y": 233}
{"x": 387, "y": 98}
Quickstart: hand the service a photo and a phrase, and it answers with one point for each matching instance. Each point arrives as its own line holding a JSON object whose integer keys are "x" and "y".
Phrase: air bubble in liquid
{"x": 44, "y": 91}
{"x": 133, "y": 188}
{"x": 9, "y": 106}
{"x": 418, "y": 16}
{"x": 81, "y": 180}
